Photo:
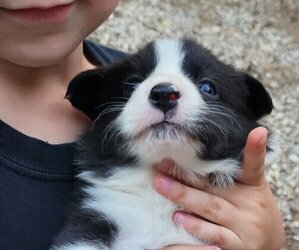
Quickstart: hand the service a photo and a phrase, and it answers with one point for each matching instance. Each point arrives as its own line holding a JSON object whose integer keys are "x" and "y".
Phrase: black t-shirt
{"x": 36, "y": 179}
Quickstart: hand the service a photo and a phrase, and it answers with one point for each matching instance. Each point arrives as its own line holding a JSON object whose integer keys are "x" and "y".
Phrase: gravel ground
{"x": 260, "y": 37}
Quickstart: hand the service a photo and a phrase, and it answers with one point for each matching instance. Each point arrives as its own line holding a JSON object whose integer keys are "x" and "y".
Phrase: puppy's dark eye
{"x": 134, "y": 79}
{"x": 207, "y": 87}
{"x": 129, "y": 88}
{"x": 131, "y": 83}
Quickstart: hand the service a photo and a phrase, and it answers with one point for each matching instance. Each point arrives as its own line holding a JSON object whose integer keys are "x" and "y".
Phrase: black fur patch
{"x": 230, "y": 115}
{"x": 233, "y": 112}
{"x": 83, "y": 225}
{"x": 91, "y": 89}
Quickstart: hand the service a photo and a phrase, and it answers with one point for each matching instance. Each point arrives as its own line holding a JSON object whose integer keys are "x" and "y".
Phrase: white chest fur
{"x": 143, "y": 217}
{"x": 127, "y": 197}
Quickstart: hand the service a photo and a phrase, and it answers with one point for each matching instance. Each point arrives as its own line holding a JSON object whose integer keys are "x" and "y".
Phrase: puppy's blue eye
{"x": 207, "y": 87}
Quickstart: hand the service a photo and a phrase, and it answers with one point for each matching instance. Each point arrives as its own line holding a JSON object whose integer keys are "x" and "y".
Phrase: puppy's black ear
{"x": 88, "y": 90}
{"x": 259, "y": 100}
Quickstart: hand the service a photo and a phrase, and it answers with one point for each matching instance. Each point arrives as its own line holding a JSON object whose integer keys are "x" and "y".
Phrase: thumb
{"x": 254, "y": 157}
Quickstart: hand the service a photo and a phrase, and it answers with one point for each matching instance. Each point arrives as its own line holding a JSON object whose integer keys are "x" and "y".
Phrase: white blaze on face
{"x": 139, "y": 114}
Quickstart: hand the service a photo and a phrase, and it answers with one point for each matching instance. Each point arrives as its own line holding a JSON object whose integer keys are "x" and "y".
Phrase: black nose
{"x": 164, "y": 96}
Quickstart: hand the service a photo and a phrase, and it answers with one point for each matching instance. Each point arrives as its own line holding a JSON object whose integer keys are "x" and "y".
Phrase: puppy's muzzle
{"x": 164, "y": 96}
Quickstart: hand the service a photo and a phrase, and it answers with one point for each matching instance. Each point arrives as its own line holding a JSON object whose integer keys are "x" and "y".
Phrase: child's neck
{"x": 32, "y": 99}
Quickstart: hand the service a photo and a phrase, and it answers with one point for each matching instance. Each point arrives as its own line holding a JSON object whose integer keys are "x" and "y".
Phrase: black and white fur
{"x": 115, "y": 205}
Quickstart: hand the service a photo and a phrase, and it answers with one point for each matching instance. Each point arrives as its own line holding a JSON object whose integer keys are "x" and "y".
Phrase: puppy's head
{"x": 173, "y": 99}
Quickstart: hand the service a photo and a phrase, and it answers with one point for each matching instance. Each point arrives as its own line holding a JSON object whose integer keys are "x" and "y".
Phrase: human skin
{"x": 37, "y": 62}
{"x": 245, "y": 217}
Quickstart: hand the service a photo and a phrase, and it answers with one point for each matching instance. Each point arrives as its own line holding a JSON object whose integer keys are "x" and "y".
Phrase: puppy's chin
{"x": 163, "y": 132}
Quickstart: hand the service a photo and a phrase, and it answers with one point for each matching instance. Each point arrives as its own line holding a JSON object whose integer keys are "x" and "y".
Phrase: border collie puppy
{"x": 171, "y": 100}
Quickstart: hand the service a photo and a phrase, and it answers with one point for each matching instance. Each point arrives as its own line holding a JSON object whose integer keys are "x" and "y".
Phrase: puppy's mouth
{"x": 163, "y": 130}
{"x": 164, "y": 125}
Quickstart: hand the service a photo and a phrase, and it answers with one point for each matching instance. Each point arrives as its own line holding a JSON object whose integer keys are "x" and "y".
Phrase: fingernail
{"x": 165, "y": 166}
{"x": 263, "y": 139}
{"x": 179, "y": 218}
{"x": 163, "y": 184}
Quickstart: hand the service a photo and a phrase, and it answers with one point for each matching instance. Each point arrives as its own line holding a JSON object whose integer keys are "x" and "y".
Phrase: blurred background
{"x": 257, "y": 36}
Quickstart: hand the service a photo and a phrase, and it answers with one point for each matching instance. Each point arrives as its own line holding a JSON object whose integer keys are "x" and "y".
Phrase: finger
{"x": 254, "y": 158}
{"x": 166, "y": 166}
{"x": 208, "y": 232}
{"x": 188, "y": 247}
{"x": 236, "y": 195}
{"x": 211, "y": 207}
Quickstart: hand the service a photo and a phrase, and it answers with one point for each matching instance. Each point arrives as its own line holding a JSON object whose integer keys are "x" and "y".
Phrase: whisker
{"x": 110, "y": 109}
{"x": 110, "y": 126}
{"x": 108, "y": 104}
{"x": 222, "y": 130}
{"x": 214, "y": 108}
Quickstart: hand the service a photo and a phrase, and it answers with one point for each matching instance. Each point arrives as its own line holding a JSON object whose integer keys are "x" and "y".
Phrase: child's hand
{"x": 185, "y": 247}
{"x": 245, "y": 217}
